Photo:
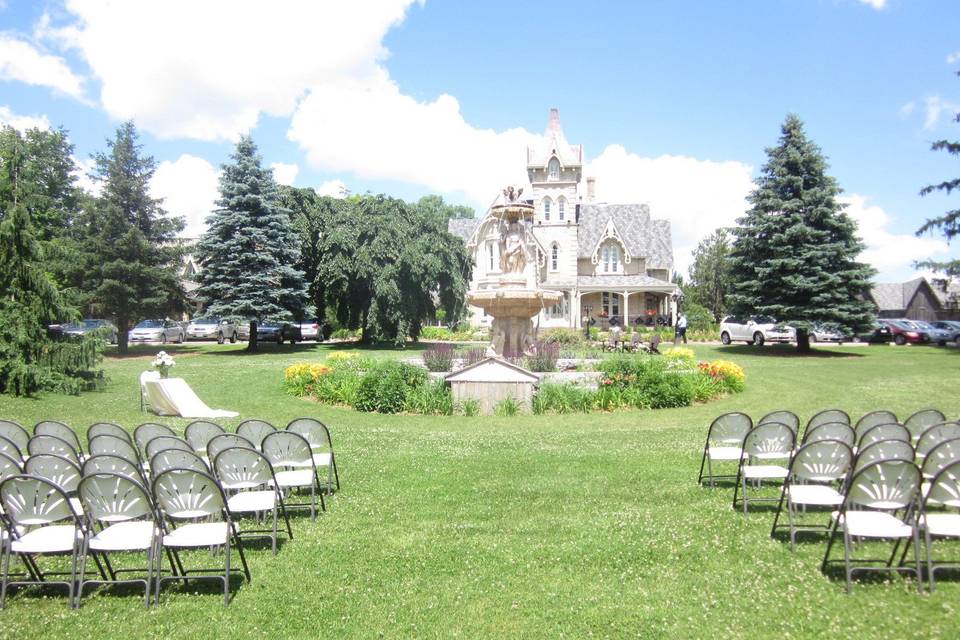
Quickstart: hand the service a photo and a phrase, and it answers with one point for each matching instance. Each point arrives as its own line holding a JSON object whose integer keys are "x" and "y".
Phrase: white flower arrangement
{"x": 163, "y": 363}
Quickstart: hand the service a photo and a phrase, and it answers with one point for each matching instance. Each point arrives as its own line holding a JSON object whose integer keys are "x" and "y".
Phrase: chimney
{"x": 591, "y": 189}
{"x": 553, "y": 124}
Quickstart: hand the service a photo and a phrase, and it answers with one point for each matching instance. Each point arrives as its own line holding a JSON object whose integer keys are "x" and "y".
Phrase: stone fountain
{"x": 518, "y": 298}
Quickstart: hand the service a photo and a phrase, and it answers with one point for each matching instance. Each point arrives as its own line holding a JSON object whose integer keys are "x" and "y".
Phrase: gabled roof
{"x": 894, "y": 296}
{"x": 554, "y": 143}
{"x": 492, "y": 370}
{"x": 641, "y": 236}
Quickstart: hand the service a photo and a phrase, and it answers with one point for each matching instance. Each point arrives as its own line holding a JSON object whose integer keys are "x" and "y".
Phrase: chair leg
{"x": 226, "y": 573}
{"x": 336, "y": 474}
{"x": 776, "y": 517}
{"x": 83, "y": 569}
{"x": 274, "y": 539}
{"x": 831, "y": 536}
{"x": 846, "y": 559}
{"x": 286, "y": 517}
{"x": 703, "y": 461}
{"x": 916, "y": 558}
{"x": 5, "y": 578}
{"x": 243, "y": 558}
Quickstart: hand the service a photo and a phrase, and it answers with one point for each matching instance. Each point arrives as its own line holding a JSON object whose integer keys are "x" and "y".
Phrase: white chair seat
{"x": 875, "y": 524}
{"x": 125, "y": 536}
{"x": 764, "y": 471}
{"x": 296, "y": 478}
{"x": 772, "y": 455}
{"x": 202, "y": 534}
{"x": 247, "y": 501}
{"x": 941, "y": 524}
{"x": 53, "y": 539}
{"x": 715, "y": 453}
{"x": 814, "y": 494}
{"x": 323, "y": 459}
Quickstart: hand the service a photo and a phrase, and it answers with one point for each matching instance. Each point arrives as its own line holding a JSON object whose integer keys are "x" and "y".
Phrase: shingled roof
{"x": 642, "y": 237}
{"x": 894, "y": 296}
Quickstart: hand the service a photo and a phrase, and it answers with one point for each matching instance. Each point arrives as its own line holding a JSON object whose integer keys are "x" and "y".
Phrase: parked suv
{"x": 754, "y": 330}
{"x": 210, "y": 328}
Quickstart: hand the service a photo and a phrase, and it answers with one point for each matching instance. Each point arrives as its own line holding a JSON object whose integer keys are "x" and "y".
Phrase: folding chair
{"x": 162, "y": 443}
{"x": 724, "y": 443}
{"x": 255, "y": 431}
{"x": 125, "y": 516}
{"x": 873, "y": 419}
{"x": 938, "y": 458}
{"x": 147, "y": 432}
{"x": 917, "y": 423}
{"x": 107, "y": 429}
{"x": 15, "y": 433}
{"x": 226, "y": 441}
{"x": 108, "y": 445}
{"x": 881, "y": 432}
{"x": 200, "y": 432}
{"x": 883, "y": 450}
{"x": 765, "y": 443}
{"x": 113, "y": 464}
{"x": 832, "y": 431}
{"x": 145, "y": 377}
{"x": 318, "y": 435}
{"x": 249, "y": 476}
{"x": 53, "y": 445}
{"x": 828, "y": 415}
{"x": 42, "y": 522}
{"x": 944, "y": 491}
{"x": 195, "y": 505}
{"x": 177, "y": 459}
{"x": 60, "y": 430}
{"x": 817, "y": 472}
{"x": 8, "y": 448}
{"x": 291, "y": 453}
{"x": 935, "y": 435}
{"x": 9, "y": 466}
{"x": 874, "y": 496}
{"x": 783, "y": 416}
{"x": 63, "y": 472}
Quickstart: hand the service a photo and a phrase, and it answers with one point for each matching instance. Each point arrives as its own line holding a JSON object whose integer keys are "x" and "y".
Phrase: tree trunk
{"x": 803, "y": 341}
{"x": 252, "y": 341}
{"x": 123, "y": 336}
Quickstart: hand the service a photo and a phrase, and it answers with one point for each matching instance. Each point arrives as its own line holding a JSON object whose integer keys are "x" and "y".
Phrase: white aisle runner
{"x": 174, "y": 397}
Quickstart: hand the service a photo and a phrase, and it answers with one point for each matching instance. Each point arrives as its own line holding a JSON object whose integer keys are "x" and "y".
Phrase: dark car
{"x": 279, "y": 332}
{"x": 879, "y": 334}
{"x": 85, "y": 326}
{"x": 903, "y": 332}
{"x": 951, "y": 326}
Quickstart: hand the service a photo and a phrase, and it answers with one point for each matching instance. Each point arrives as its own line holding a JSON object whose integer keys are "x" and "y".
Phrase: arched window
{"x": 561, "y": 205}
{"x": 546, "y": 208}
{"x": 553, "y": 169}
{"x": 610, "y": 256}
{"x": 555, "y": 257}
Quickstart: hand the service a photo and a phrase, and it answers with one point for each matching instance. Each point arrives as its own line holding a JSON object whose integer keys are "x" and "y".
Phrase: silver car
{"x": 212, "y": 329}
{"x": 754, "y": 330}
{"x": 157, "y": 331}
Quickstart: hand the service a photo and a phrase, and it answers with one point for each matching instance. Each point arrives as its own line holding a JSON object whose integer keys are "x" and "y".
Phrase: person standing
{"x": 681, "y": 329}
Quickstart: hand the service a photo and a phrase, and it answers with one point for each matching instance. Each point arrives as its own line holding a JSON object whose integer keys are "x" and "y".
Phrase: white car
{"x": 754, "y": 330}
{"x": 212, "y": 328}
{"x": 158, "y": 331}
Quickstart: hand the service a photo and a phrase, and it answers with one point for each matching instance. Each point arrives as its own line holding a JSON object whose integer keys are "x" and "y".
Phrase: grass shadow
{"x": 785, "y": 351}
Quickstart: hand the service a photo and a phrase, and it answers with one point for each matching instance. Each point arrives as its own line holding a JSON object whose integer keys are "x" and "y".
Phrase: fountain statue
{"x": 518, "y": 297}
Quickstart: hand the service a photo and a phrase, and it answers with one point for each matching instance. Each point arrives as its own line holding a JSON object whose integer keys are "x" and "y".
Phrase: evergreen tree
{"x": 710, "y": 273}
{"x": 250, "y": 250}
{"x": 949, "y": 223}
{"x": 134, "y": 259}
{"x": 795, "y": 251}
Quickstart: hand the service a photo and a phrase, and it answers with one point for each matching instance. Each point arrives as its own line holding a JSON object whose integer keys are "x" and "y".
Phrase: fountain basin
{"x": 520, "y": 303}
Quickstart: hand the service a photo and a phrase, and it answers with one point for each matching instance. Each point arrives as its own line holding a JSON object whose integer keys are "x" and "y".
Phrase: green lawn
{"x": 532, "y": 526}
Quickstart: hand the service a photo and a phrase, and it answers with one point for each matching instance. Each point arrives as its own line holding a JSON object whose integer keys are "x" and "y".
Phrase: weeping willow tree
{"x": 30, "y": 360}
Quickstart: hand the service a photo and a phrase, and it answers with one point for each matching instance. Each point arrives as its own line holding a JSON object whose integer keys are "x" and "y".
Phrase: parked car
{"x": 243, "y": 328}
{"x": 879, "y": 334}
{"x": 940, "y": 336}
{"x": 754, "y": 330}
{"x": 158, "y": 331}
{"x": 826, "y": 333}
{"x": 220, "y": 329}
{"x": 279, "y": 332}
{"x": 951, "y": 326}
{"x": 904, "y": 333}
{"x": 314, "y": 330}
{"x": 89, "y": 324}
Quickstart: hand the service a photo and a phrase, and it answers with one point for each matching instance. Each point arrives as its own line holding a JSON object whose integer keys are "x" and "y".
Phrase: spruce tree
{"x": 795, "y": 253}
{"x": 250, "y": 249}
{"x": 134, "y": 259}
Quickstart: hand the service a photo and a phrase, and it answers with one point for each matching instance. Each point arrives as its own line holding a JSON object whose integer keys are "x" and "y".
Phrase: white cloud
{"x": 22, "y": 123}
{"x": 892, "y": 254}
{"x": 334, "y": 189}
{"x": 696, "y": 196}
{"x": 876, "y": 4}
{"x": 908, "y": 108}
{"x": 207, "y": 70}
{"x": 284, "y": 173}
{"x": 189, "y": 186}
{"x": 21, "y": 62}
{"x": 953, "y": 57}
{"x": 935, "y": 107}
{"x": 83, "y": 172}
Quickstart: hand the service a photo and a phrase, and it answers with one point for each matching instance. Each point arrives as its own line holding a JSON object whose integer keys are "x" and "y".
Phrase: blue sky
{"x": 674, "y": 102}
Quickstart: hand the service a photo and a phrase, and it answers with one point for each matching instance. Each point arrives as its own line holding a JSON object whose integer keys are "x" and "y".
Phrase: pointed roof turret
{"x": 554, "y": 143}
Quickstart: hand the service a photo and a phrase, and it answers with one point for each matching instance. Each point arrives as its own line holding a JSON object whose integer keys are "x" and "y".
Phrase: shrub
{"x": 473, "y": 356}
{"x": 444, "y": 334}
{"x": 343, "y": 334}
{"x": 298, "y": 379}
{"x": 386, "y": 385}
{"x": 544, "y": 357}
{"x": 562, "y": 398}
{"x": 728, "y": 375}
{"x": 680, "y": 354}
{"x": 507, "y": 407}
{"x": 439, "y": 357}
{"x": 431, "y": 398}
{"x": 644, "y": 381}
{"x": 470, "y": 407}
{"x": 564, "y": 336}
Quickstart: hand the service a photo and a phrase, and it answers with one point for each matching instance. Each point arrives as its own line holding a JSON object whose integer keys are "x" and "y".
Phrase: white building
{"x": 609, "y": 261}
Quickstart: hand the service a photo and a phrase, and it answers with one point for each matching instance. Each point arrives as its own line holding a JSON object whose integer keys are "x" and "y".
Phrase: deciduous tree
{"x": 710, "y": 273}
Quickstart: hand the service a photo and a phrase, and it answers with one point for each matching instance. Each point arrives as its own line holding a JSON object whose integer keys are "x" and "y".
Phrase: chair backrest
{"x": 15, "y": 433}
{"x": 32, "y": 501}
{"x": 935, "y": 435}
{"x": 148, "y": 431}
{"x": 60, "y": 430}
{"x": 828, "y": 415}
{"x": 314, "y": 431}
{"x": 243, "y": 468}
{"x": 920, "y": 421}
{"x": 162, "y": 443}
{"x": 821, "y": 461}
{"x": 769, "y": 438}
{"x": 107, "y": 429}
{"x": 9, "y": 466}
{"x": 942, "y": 455}
{"x": 61, "y": 471}
{"x": 108, "y": 445}
{"x": 831, "y": 431}
{"x": 890, "y": 431}
{"x": 7, "y": 447}
{"x": 730, "y": 428}
{"x": 225, "y": 441}
{"x": 54, "y": 445}
{"x": 187, "y": 494}
{"x": 200, "y": 432}
{"x": 255, "y": 431}
{"x": 112, "y": 464}
{"x": 874, "y": 418}
{"x": 945, "y": 487}
{"x": 783, "y": 416}
{"x": 883, "y": 450}
{"x": 114, "y": 497}
{"x": 286, "y": 448}
{"x": 177, "y": 459}
{"x": 887, "y": 485}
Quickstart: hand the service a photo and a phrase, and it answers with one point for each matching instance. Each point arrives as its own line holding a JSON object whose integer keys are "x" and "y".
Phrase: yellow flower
{"x": 341, "y": 355}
